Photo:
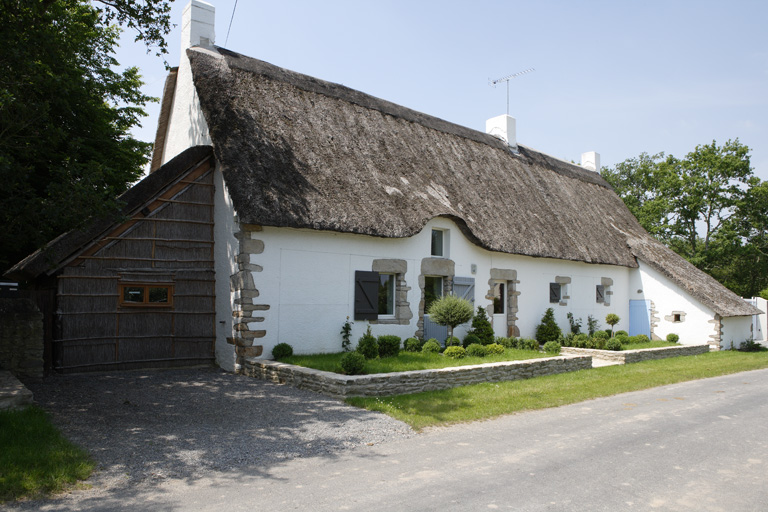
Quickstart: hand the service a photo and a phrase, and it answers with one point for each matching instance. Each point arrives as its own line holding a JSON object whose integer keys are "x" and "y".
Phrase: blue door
{"x": 640, "y": 317}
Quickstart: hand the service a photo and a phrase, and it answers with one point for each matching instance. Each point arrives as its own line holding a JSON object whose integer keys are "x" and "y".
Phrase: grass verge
{"x": 483, "y": 401}
{"x": 35, "y": 459}
{"x": 407, "y": 361}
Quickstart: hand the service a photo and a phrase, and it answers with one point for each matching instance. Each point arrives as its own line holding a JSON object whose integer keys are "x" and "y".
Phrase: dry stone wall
{"x": 635, "y": 356}
{"x": 383, "y": 384}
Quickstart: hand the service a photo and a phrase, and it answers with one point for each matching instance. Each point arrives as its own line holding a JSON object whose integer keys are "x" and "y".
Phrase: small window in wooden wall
{"x": 146, "y": 294}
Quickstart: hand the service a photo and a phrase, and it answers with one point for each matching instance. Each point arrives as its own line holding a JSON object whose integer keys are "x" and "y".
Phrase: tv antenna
{"x": 507, "y": 78}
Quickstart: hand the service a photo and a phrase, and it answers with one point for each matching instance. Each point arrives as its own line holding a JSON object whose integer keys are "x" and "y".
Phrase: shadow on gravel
{"x": 145, "y": 426}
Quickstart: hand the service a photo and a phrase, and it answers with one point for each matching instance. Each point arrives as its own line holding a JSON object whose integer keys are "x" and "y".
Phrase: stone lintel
{"x": 390, "y": 266}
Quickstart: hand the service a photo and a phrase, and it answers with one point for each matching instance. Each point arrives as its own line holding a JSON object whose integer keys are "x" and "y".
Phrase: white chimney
{"x": 502, "y": 127}
{"x": 197, "y": 22}
{"x": 591, "y": 160}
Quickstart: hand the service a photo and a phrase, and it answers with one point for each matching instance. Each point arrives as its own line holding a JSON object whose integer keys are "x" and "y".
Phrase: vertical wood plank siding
{"x": 170, "y": 241}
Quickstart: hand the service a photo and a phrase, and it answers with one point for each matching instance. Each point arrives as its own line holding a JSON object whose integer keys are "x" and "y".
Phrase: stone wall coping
{"x": 641, "y": 354}
{"x": 382, "y": 384}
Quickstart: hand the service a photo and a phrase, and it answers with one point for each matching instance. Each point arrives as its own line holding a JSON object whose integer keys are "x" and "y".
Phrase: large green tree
{"x": 708, "y": 207}
{"x": 66, "y": 112}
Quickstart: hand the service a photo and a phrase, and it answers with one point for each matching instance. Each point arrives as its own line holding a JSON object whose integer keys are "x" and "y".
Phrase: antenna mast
{"x": 507, "y": 78}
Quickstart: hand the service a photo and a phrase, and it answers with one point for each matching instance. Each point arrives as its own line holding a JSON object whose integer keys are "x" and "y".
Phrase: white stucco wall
{"x": 667, "y": 297}
{"x": 225, "y": 256}
{"x": 308, "y": 280}
{"x": 736, "y": 330}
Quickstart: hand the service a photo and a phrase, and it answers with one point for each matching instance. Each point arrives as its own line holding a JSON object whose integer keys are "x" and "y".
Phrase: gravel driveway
{"x": 142, "y": 426}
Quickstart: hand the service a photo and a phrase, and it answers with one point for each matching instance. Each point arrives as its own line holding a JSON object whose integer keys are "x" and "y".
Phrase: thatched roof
{"x": 304, "y": 153}
{"x": 48, "y": 259}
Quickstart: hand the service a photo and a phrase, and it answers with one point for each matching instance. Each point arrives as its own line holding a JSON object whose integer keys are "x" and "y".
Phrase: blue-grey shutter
{"x": 554, "y": 292}
{"x": 366, "y": 295}
{"x": 464, "y": 287}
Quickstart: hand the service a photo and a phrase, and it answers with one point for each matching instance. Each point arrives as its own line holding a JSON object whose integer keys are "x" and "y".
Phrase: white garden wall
{"x": 736, "y": 330}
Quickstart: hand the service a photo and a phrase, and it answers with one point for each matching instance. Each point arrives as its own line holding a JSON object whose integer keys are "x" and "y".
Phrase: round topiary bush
{"x": 412, "y": 345}
{"x": 494, "y": 348}
{"x": 528, "y": 344}
{"x": 431, "y": 347}
{"x": 367, "y": 345}
{"x": 281, "y": 351}
{"x": 613, "y": 344}
{"x": 622, "y": 338}
{"x": 580, "y": 340}
{"x": 673, "y": 338}
{"x": 601, "y": 335}
{"x": 455, "y": 352}
{"x": 469, "y": 339}
{"x": 621, "y": 333}
{"x": 389, "y": 345}
{"x": 552, "y": 347}
{"x": 476, "y": 350}
{"x": 452, "y": 341}
{"x": 353, "y": 363}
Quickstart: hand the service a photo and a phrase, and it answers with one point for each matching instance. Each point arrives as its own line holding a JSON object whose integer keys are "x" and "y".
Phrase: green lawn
{"x": 483, "y": 401}
{"x": 35, "y": 458}
{"x": 407, "y": 361}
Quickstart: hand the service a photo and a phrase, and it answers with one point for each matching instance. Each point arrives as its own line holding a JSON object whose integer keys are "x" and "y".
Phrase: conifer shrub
{"x": 469, "y": 339}
{"x": 673, "y": 338}
{"x": 481, "y": 326}
{"x": 281, "y": 351}
{"x": 548, "y": 329}
{"x": 552, "y": 347}
{"x": 412, "y": 345}
{"x": 450, "y": 310}
{"x": 353, "y": 363}
{"x": 431, "y": 346}
{"x": 455, "y": 352}
{"x": 495, "y": 348}
{"x": 389, "y": 345}
{"x": 367, "y": 345}
{"x": 476, "y": 350}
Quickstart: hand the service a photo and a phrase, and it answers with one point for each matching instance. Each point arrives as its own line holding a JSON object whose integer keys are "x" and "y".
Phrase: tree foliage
{"x": 450, "y": 310}
{"x": 65, "y": 114}
{"x": 708, "y": 207}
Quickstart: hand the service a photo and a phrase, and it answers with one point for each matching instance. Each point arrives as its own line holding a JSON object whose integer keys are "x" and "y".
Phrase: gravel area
{"x": 141, "y": 426}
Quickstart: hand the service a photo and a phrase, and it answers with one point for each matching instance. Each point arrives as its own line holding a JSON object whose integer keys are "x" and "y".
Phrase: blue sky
{"x": 616, "y": 77}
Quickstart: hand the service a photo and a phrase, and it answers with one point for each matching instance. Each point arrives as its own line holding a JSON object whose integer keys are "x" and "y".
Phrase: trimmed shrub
{"x": 353, "y": 363}
{"x": 452, "y": 341}
{"x": 450, "y": 310}
{"x": 613, "y": 344}
{"x": 455, "y": 352}
{"x": 494, "y": 348}
{"x": 481, "y": 326}
{"x": 612, "y": 319}
{"x": 600, "y": 343}
{"x": 621, "y": 333}
{"x": 506, "y": 342}
{"x": 412, "y": 345}
{"x": 590, "y": 343}
{"x": 367, "y": 345}
{"x": 431, "y": 347}
{"x": 622, "y": 338}
{"x": 567, "y": 340}
{"x": 601, "y": 335}
{"x": 548, "y": 330}
{"x": 281, "y": 351}
{"x": 580, "y": 340}
{"x": 528, "y": 344}
{"x": 552, "y": 347}
{"x": 470, "y": 339}
{"x": 673, "y": 338}
{"x": 476, "y": 350}
{"x": 389, "y": 345}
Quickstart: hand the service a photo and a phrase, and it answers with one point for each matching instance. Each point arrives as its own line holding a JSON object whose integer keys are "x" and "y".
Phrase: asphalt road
{"x": 699, "y": 445}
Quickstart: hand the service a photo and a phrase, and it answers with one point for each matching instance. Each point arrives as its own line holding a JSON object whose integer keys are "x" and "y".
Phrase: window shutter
{"x": 464, "y": 287}
{"x": 600, "y": 293}
{"x": 554, "y": 292}
{"x": 366, "y": 295}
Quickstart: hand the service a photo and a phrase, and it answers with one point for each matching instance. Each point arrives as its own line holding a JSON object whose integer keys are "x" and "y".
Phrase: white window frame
{"x": 445, "y": 235}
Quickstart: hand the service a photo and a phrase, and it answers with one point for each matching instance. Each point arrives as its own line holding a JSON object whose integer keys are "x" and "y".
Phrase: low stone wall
{"x": 383, "y": 384}
{"x": 635, "y": 356}
{"x": 21, "y": 337}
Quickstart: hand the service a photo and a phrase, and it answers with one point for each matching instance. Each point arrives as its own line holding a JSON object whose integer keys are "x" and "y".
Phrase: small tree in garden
{"x": 575, "y": 324}
{"x": 481, "y": 327}
{"x": 450, "y": 310}
{"x": 592, "y": 325}
{"x": 612, "y": 319}
{"x": 548, "y": 329}
{"x": 346, "y": 332}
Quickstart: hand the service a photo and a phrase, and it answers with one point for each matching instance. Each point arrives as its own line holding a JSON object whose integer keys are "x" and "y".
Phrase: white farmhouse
{"x": 325, "y": 203}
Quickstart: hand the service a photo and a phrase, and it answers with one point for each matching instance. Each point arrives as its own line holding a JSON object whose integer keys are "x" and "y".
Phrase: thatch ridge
{"x": 49, "y": 258}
